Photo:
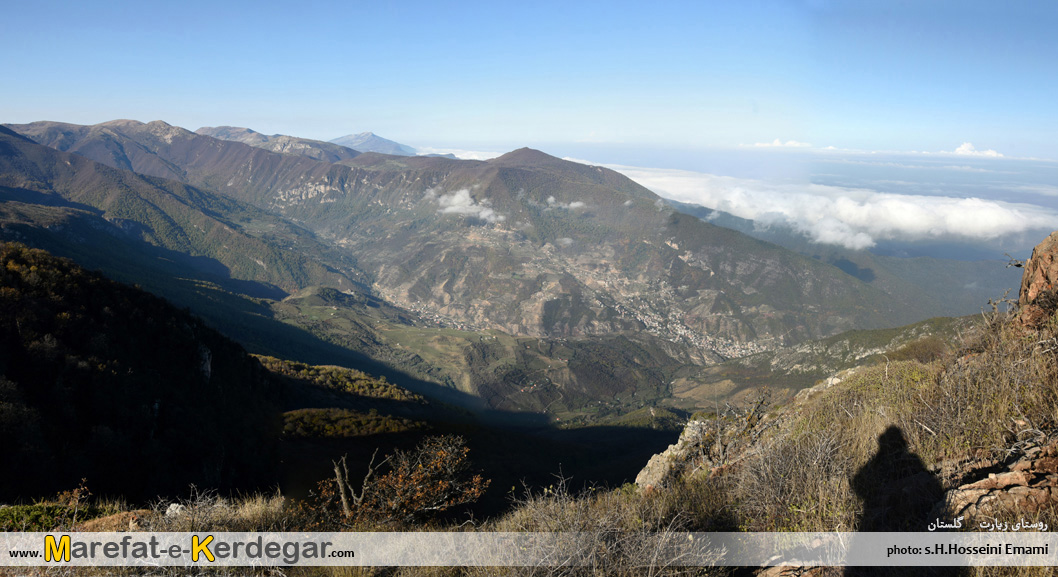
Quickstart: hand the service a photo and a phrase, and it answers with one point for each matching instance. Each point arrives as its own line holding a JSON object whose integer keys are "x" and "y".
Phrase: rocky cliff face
{"x": 1037, "y": 299}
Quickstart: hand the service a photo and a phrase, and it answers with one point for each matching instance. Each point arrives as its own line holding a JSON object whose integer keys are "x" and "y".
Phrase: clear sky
{"x": 892, "y": 76}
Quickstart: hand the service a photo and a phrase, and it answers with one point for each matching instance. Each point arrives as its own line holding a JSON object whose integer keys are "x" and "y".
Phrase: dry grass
{"x": 627, "y": 530}
{"x": 798, "y": 484}
{"x": 206, "y": 511}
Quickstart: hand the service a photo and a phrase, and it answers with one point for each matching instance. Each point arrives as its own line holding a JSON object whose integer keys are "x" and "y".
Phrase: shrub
{"x": 406, "y": 487}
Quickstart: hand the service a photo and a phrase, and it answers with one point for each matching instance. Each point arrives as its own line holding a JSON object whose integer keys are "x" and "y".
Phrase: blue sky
{"x": 890, "y": 76}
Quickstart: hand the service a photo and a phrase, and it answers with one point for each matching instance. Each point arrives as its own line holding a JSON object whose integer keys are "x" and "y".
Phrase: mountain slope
{"x": 213, "y": 232}
{"x": 945, "y": 286}
{"x": 314, "y": 149}
{"x": 370, "y": 142}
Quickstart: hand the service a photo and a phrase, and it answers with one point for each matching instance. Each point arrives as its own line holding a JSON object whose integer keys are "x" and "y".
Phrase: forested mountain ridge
{"x": 107, "y": 382}
{"x": 946, "y": 286}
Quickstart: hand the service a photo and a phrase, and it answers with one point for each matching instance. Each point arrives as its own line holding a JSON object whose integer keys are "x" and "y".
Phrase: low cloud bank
{"x": 458, "y": 153}
{"x": 855, "y": 218}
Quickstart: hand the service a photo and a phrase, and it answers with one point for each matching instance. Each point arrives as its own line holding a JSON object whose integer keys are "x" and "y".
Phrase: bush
{"x": 406, "y": 487}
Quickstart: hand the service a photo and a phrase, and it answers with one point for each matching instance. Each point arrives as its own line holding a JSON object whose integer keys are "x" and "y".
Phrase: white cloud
{"x": 553, "y": 203}
{"x": 460, "y": 202}
{"x": 788, "y": 144}
{"x": 564, "y": 241}
{"x": 856, "y": 218}
{"x": 968, "y": 149}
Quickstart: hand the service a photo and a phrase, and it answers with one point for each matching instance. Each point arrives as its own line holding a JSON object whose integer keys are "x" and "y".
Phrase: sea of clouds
{"x": 855, "y": 217}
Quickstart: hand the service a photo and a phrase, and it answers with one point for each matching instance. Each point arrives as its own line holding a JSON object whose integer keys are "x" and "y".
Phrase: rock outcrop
{"x": 1022, "y": 489}
{"x": 708, "y": 445}
{"x": 1037, "y": 299}
{"x": 665, "y": 467}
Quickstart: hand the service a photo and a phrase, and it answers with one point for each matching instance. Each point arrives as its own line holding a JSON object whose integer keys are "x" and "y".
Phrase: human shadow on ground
{"x": 898, "y": 495}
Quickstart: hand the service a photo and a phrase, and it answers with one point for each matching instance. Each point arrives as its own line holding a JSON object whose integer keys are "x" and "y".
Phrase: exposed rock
{"x": 206, "y": 357}
{"x": 665, "y": 467}
{"x": 712, "y": 446}
{"x": 1037, "y": 299}
{"x": 1027, "y": 486}
{"x": 1001, "y": 481}
{"x": 804, "y": 395}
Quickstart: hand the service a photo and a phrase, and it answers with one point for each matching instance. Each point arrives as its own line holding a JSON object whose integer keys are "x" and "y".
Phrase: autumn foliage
{"x": 406, "y": 487}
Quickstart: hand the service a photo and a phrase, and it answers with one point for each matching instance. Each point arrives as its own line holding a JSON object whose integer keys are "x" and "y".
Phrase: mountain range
{"x": 525, "y": 282}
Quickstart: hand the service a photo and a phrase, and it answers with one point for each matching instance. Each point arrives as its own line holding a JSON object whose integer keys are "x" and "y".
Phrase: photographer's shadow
{"x": 898, "y": 495}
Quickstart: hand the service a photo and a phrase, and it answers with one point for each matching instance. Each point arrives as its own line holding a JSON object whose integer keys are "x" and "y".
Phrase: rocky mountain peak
{"x": 1038, "y": 299}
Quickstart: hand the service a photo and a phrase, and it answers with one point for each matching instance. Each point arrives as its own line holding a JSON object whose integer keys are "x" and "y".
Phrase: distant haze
{"x": 370, "y": 142}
